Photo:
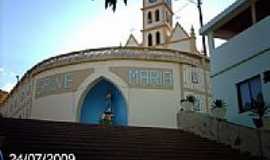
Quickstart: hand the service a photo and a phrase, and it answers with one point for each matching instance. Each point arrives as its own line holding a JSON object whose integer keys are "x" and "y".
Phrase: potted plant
{"x": 191, "y": 99}
{"x": 218, "y": 108}
{"x": 188, "y": 103}
{"x": 259, "y": 109}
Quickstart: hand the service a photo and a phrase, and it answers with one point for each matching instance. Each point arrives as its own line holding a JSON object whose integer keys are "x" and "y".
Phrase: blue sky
{"x": 33, "y": 30}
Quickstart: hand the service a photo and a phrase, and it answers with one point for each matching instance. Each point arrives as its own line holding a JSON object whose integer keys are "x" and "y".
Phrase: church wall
{"x": 194, "y": 78}
{"x": 57, "y": 105}
{"x": 178, "y": 34}
{"x": 155, "y": 107}
{"x": 196, "y": 83}
{"x": 20, "y": 103}
{"x": 184, "y": 46}
{"x": 54, "y": 107}
{"x": 151, "y": 86}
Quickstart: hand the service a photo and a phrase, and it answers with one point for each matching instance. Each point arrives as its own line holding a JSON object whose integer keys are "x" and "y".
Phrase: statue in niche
{"x": 107, "y": 115}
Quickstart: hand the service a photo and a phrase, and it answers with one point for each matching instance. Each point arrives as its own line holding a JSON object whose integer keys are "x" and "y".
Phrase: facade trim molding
{"x": 197, "y": 91}
{"x": 180, "y": 40}
{"x": 156, "y": 27}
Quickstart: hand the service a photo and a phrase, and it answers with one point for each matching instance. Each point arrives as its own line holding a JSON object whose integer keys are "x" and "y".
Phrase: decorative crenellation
{"x": 120, "y": 53}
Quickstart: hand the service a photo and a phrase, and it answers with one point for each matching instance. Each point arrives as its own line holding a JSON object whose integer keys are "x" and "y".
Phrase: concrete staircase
{"x": 103, "y": 143}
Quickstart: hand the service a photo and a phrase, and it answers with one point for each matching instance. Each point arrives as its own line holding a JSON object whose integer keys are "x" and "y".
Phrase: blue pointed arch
{"x": 95, "y": 103}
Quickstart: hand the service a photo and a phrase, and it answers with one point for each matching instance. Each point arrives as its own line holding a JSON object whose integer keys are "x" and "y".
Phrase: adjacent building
{"x": 240, "y": 68}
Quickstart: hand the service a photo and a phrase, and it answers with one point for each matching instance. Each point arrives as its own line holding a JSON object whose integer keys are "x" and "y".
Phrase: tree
{"x": 112, "y": 3}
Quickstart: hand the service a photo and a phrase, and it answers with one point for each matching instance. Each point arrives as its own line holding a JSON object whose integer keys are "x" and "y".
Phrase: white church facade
{"x": 142, "y": 83}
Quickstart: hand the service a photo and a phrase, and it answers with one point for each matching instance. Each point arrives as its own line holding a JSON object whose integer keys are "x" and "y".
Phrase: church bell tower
{"x": 157, "y": 22}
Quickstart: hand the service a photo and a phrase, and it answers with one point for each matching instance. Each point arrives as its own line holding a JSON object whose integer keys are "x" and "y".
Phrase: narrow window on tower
{"x": 157, "y": 38}
{"x": 150, "y": 43}
{"x": 157, "y": 15}
{"x": 149, "y": 17}
{"x": 167, "y": 17}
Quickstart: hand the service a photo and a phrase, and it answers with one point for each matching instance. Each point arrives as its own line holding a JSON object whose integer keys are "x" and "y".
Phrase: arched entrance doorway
{"x": 102, "y": 96}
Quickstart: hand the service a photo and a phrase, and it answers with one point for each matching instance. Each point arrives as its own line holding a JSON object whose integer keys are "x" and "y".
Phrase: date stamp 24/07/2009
{"x": 41, "y": 156}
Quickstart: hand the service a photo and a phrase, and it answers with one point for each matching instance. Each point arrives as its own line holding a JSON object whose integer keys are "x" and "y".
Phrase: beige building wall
{"x": 19, "y": 104}
{"x": 154, "y": 22}
{"x": 184, "y": 46}
{"x": 162, "y": 31}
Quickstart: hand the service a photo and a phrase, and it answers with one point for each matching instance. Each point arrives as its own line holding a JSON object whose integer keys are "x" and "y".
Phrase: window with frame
{"x": 157, "y": 38}
{"x": 157, "y": 15}
{"x": 197, "y": 105}
{"x": 150, "y": 40}
{"x": 248, "y": 91}
{"x": 149, "y": 17}
{"x": 194, "y": 75}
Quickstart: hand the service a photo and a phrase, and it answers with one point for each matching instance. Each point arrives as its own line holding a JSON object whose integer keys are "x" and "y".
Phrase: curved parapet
{"x": 53, "y": 88}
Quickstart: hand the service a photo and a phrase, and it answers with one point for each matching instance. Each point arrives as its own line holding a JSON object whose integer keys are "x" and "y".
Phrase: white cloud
{"x": 107, "y": 29}
{"x": 2, "y": 70}
{"x": 5, "y": 72}
{"x": 8, "y": 86}
{"x": 5, "y": 77}
{"x": 187, "y": 15}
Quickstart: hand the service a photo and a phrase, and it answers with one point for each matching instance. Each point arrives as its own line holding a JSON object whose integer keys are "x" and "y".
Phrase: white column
{"x": 253, "y": 11}
{"x": 211, "y": 42}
